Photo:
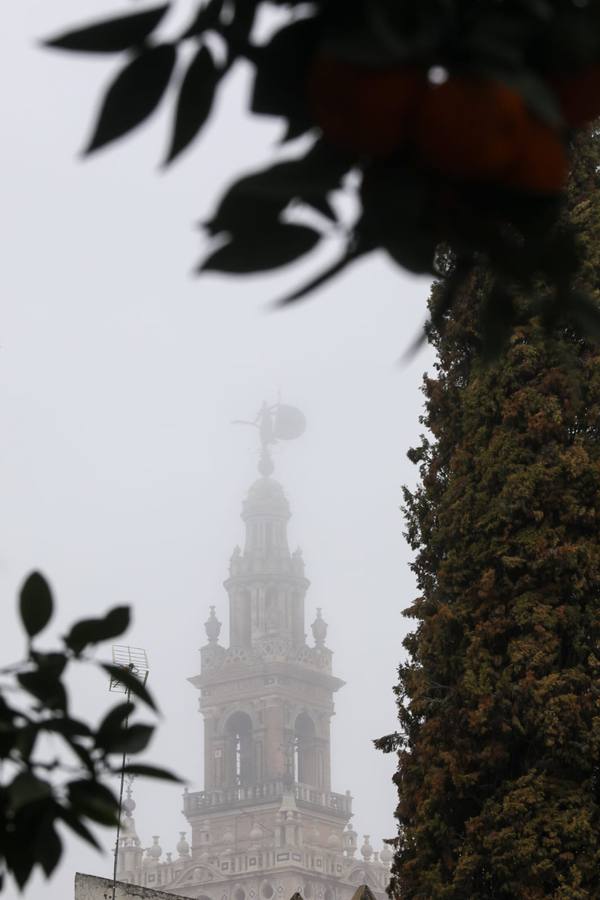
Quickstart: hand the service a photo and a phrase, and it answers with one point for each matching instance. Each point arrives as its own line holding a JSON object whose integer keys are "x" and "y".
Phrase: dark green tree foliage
{"x": 499, "y": 701}
{"x": 52, "y": 765}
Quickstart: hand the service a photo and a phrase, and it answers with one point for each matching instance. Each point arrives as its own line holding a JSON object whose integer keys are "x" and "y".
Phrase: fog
{"x": 122, "y": 476}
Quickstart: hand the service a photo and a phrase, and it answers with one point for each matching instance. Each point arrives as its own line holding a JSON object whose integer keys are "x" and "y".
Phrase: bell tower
{"x": 267, "y": 824}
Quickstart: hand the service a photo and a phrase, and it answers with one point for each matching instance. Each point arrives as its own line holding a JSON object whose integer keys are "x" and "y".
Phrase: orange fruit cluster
{"x": 468, "y": 127}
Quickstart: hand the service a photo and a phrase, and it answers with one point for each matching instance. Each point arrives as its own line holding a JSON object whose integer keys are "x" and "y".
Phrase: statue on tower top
{"x": 279, "y": 422}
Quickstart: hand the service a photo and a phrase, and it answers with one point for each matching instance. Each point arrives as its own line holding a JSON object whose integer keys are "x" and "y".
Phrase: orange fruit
{"x": 470, "y": 127}
{"x": 361, "y": 108}
{"x": 578, "y": 94}
{"x": 542, "y": 165}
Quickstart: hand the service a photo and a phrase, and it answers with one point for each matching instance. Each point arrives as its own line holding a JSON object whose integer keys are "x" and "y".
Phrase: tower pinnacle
{"x": 279, "y": 422}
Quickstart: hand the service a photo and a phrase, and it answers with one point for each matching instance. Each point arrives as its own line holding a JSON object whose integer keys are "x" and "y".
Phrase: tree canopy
{"x": 449, "y": 122}
{"x": 499, "y": 699}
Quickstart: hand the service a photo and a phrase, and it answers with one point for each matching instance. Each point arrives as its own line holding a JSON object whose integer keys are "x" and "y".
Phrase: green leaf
{"x": 130, "y": 681}
{"x": 134, "y": 94}
{"x": 47, "y": 848}
{"x": 92, "y": 631}
{"x": 114, "y": 720}
{"x": 94, "y": 800}
{"x": 195, "y": 101}
{"x": 35, "y": 604}
{"x": 48, "y": 690}
{"x": 70, "y": 818}
{"x": 26, "y": 788}
{"x": 133, "y": 739}
{"x": 267, "y": 248}
{"x": 145, "y": 771}
{"x": 111, "y": 35}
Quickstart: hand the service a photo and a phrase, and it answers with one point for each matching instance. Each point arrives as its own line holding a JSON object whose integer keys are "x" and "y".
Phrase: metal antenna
{"x": 135, "y": 661}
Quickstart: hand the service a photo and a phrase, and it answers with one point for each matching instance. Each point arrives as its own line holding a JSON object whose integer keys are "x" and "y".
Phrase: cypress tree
{"x": 499, "y": 699}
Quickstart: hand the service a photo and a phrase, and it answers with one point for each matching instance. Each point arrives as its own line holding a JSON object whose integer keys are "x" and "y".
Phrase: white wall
{"x": 90, "y": 887}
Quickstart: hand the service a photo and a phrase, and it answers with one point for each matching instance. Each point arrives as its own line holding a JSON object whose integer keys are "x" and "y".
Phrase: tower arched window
{"x": 305, "y": 769}
{"x": 240, "y": 762}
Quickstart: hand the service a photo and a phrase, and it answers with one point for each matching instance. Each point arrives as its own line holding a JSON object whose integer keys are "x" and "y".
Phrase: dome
{"x": 266, "y": 497}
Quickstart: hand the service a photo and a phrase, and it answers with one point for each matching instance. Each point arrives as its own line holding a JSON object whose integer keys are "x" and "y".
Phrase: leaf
{"x": 205, "y": 17}
{"x": 52, "y": 664}
{"x": 267, "y": 248}
{"x": 49, "y": 691}
{"x": 134, "y": 95}
{"x": 48, "y": 848}
{"x": 70, "y": 818}
{"x": 35, "y": 604}
{"x": 195, "y": 101}
{"x": 92, "y": 631}
{"x": 145, "y": 771}
{"x": 111, "y": 35}
{"x": 114, "y": 720}
{"x": 281, "y": 71}
{"x": 26, "y": 788}
{"x": 66, "y": 727}
{"x": 260, "y": 197}
{"x": 133, "y": 739}
{"x": 322, "y": 278}
{"x": 93, "y": 800}
{"x": 131, "y": 682}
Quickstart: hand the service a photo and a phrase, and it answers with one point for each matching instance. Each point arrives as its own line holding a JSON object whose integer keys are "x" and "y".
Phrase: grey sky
{"x": 121, "y": 477}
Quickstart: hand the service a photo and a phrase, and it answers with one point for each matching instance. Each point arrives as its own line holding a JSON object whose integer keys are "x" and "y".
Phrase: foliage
{"x": 39, "y": 790}
{"x": 476, "y": 162}
{"x": 499, "y": 700}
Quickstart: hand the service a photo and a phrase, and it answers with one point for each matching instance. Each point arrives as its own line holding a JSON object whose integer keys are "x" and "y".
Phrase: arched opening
{"x": 240, "y": 754}
{"x": 304, "y": 750}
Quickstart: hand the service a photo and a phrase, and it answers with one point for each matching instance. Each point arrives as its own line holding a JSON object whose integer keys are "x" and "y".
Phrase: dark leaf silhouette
{"x": 205, "y": 17}
{"x": 35, "y": 604}
{"x": 131, "y": 682}
{"x": 134, "y": 95}
{"x": 91, "y": 631}
{"x": 261, "y": 196}
{"x": 26, "y": 788}
{"x": 111, "y": 35}
{"x": 48, "y": 848}
{"x": 320, "y": 279}
{"x": 133, "y": 739}
{"x": 75, "y": 824}
{"x": 195, "y": 101}
{"x": 150, "y": 772}
{"x": 263, "y": 250}
{"x": 113, "y": 721}
{"x": 49, "y": 691}
{"x": 93, "y": 800}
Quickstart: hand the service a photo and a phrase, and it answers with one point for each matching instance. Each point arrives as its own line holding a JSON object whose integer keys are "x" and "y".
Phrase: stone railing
{"x": 274, "y": 650}
{"x": 199, "y": 802}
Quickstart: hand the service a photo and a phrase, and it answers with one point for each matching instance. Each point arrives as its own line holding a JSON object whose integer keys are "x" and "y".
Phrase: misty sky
{"x": 121, "y": 477}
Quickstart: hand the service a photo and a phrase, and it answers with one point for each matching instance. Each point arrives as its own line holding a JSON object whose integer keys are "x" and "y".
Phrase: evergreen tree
{"x": 499, "y": 701}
